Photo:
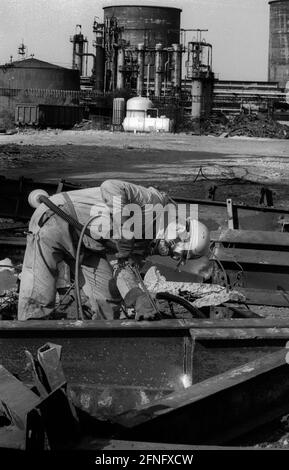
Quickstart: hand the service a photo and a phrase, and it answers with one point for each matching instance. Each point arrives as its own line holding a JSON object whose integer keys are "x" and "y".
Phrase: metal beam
{"x": 113, "y": 366}
{"x": 251, "y": 237}
{"x": 162, "y": 328}
{"x": 274, "y": 298}
{"x": 217, "y": 410}
{"x": 13, "y": 241}
{"x": 209, "y": 202}
{"x": 260, "y": 257}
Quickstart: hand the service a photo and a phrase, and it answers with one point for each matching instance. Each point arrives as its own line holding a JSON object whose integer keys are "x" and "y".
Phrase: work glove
{"x": 144, "y": 309}
{"x": 138, "y": 299}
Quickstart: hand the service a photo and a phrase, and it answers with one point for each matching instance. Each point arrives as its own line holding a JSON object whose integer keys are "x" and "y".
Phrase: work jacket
{"x": 111, "y": 204}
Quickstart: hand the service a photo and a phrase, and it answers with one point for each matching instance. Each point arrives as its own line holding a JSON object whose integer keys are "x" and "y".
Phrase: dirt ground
{"x": 239, "y": 167}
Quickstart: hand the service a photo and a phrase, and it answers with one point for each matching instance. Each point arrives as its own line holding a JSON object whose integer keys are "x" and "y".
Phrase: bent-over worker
{"x": 51, "y": 241}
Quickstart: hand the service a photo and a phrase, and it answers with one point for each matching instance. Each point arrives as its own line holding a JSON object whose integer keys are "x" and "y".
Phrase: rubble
{"x": 84, "y": 125}
{"x": 206, "y": 294}
{"x": 8, "y": 277}
{"x": 249, "y": 125}
{"x": 8, "y": 290}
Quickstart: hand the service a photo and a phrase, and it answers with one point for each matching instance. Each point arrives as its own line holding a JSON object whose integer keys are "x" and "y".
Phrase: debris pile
{"x": 249, "y": 125}
{"x": 8, "y": 290}
{"x": 95, "y": 123}
{"x": 84, "y": 125}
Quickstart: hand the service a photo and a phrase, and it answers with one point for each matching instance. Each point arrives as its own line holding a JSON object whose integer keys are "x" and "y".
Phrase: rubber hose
{"x": 77, "y": 266}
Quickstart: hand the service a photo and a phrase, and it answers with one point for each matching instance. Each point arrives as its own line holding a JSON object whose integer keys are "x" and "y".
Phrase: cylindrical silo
{"x": 148, "y": 25}
{"x": 279, "y": 42}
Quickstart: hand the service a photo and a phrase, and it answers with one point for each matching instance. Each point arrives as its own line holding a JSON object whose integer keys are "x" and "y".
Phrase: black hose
{"x": 70, "y": 220}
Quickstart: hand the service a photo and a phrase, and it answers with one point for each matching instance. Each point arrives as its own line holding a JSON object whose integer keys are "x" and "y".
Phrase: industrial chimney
{"x": 279, "y": 42}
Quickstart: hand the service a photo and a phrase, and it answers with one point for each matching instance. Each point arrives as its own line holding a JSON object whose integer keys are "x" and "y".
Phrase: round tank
{"x": 279, "y": 42}
{"x": 138, "y": 105}
{"x": 33, "y": 73}
{"x": 148, "y": 25}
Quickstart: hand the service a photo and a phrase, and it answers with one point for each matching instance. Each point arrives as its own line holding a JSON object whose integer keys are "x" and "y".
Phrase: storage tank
{"x": 138, "y": 106}
{"x": 138, "y": 118}
{"x": 148, "y": 25}
{"x": 34, "y": 73}
{"x": 279, "y": 42}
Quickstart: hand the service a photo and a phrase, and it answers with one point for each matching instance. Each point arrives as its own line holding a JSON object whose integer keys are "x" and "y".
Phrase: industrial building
{"x": 143, "y": 51}
{"x": 31, "y": 82}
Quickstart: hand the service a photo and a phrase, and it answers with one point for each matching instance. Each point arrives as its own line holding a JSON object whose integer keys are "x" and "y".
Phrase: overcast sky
{"x": 238, "y": 30}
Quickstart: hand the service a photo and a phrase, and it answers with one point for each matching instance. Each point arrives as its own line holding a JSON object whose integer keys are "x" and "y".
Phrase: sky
{"x": 238, "y": 30}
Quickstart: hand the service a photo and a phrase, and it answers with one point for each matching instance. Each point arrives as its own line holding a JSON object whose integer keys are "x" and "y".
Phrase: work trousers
{"x": 47, "y": 247}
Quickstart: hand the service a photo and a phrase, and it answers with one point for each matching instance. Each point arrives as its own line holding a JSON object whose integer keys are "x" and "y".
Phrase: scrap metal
{"x": 216, "y": 410}
{"x": 39, "y": 417}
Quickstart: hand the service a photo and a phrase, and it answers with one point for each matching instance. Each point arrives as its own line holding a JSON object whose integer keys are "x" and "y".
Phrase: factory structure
{"x": 142, "y": 53}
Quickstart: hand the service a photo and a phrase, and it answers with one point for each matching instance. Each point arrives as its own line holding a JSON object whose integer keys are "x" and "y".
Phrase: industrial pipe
{"x": 177, "y": 66}
{"x": 86, "y": 54}
{"x": 166, "y": 76}
{"x": 148, "y": 79}
{"x": 197, "y": 96}
{"x": 140, "y": 61}
{"x": 99, "y": 68}
{"x": 158, "y": 70}
{"x": 120, "y": 69}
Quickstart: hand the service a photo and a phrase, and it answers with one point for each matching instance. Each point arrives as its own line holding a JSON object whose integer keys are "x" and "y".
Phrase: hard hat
{"x": 192, "y": 243}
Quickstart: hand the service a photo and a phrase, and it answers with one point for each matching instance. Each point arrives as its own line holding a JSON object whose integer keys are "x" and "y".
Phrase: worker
{"x": 105, "y": 283}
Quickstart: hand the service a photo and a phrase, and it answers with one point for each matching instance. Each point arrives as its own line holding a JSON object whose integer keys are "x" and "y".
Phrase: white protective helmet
{"x": 193, "y": 241}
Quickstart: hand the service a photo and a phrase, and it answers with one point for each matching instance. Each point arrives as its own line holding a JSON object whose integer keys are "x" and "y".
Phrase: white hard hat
{"x": 194, "y": 242}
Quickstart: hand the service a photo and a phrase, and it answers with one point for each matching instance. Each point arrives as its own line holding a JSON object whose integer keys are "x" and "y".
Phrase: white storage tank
{"x": 138, "y": 106}
{"x": 139, "y": 119}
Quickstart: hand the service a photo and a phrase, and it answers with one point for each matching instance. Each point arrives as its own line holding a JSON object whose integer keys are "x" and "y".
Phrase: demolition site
{"x": 137, "y": 341}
